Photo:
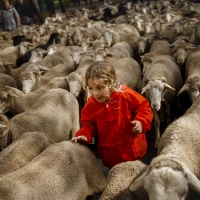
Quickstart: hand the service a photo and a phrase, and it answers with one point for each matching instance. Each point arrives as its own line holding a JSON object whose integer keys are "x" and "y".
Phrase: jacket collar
{"x": 121, "y": 89}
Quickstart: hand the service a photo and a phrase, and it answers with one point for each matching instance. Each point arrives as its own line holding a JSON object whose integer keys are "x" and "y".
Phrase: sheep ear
{"x": 138, "y": 183}
{"x": 43, "y": 68}
{"x": 163, "y": 79}
{"x": 10, "y": 92}
{"x": 182, "y": 89}
{"x": 144, "y": 89}
{"x": 146, "y": 81}
{"x": 168, "y": 86}
{"x": 193, "y": 182}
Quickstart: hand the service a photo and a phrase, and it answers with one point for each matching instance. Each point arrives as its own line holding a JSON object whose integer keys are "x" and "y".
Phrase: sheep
{"x": 64, "y": 170}
{"x": 114, "y": 53}
{"x": 32, "y": 80}
{"x": 7, "y": 68}
{"x": 22, "y": 151}
{"x": 25, "y": 58}
{"x": 50, "y": 61}
{"x": 159, "y": 47}
{"x": 122, "y": 32}
{"x": 176, "y": 168}
{"x": 56, "y": 113}
{"x": 9, "y": 54}
{"x": 192, "y": 74}
{"x": 82, "y": 32}
{"x": 119, "y": 179}
{"x": 181, "y": 52}
{"x": 129, "y": 72}
{"x": 75, "y": 79}
{"x": 15, "y": 101}
{"x": 7, "y": 80}
{"x": 162, "y": 81}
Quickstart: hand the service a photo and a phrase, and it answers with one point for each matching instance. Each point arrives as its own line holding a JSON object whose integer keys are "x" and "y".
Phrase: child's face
{"x": 98, "y": 90}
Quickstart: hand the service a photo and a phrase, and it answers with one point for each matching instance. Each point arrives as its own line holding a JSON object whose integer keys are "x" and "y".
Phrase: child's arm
{"x": 88, "y": 128}
{"x": 142, "y": 111}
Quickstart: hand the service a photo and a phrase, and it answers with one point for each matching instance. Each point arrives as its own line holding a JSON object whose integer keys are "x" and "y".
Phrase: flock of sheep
{"x": 154, "y": 49}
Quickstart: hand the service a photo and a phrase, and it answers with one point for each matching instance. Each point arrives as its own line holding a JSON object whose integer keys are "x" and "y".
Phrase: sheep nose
{"x": 155, "y": 106}
{"x": 180, "y": 60}
{"x": 141, "y": 51}
{"x": 24, "y": 91}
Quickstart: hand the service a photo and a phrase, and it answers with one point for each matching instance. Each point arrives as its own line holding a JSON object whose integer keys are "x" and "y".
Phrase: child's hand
{"x": 79, "y": 139}
{"x": 138, "y": 126}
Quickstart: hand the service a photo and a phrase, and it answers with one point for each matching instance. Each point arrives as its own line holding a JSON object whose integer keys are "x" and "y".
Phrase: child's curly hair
{"x": 104, "y": 71}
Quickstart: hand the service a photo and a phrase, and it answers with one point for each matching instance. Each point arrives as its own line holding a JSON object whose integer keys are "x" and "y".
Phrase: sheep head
{"x": 192, "y": 87}
{"x": 169, "y": 171}
{"x": 5, "y": 94}
{"x": 156, "y": 87}
{"x": 29, "y": 80}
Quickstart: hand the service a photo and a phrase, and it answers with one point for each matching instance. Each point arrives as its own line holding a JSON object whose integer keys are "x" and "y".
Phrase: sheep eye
{"x": 193, "y": 90}
{"x": 3, "y": 100}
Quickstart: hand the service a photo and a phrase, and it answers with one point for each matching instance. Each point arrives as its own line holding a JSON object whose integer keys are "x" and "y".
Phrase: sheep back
{"x": 64, "y": 170}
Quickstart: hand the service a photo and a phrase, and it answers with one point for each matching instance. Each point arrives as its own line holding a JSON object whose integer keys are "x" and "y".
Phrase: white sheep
{"x": 177, "y": 166}
{"x": 64, "y": 170}
{"x": 161, "y": 82}
{"x": 119, "y": 179}
{"x": 32, "y": 80}
{"x": 55, "y": 113}
{"x": 128, "y": 72}
{"x": 22, "y": 151}
{"x": 15, "y": 101}
{"x": 192, "y": 73}
{"x": 7, "y": 80}
{"x": 159, "y": 47}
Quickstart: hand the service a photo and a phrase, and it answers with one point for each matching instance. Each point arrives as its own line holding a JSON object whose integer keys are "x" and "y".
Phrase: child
{"x": 118, "y": 115}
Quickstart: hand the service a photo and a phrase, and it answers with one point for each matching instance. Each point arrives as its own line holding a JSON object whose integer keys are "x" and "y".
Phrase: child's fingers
{"x": 79, "y": 139}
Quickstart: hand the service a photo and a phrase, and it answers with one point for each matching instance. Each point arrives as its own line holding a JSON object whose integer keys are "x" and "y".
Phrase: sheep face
{"x": 141, "y": 46}
{"x": 29, "y": 80}
{"x": 164, "y": 183}
{"x": 76, "y": 56}
{"x": 108, "y": 37}
{"x": 178, "y": 27}
{"x": 37, "y": 55}
{"x": 100, "y": 55}
{"x": 166, "y": 178}
{"x": 4, "y": 101}
{"x": 192, "y": 87}
{"x": 155, "y": 88}
{"x": 75, "y": 83}
{"x": 180, "y": 56}
{"x": 77, "y": 36}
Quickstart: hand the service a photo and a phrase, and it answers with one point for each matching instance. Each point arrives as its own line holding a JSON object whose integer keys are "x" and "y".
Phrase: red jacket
{"x": 112, "y": 122}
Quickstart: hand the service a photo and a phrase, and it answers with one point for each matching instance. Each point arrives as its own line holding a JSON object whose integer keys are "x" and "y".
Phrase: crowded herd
{"x": 154, "y": 48}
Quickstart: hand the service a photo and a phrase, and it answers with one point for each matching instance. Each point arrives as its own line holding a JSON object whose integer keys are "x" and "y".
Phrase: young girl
{"x": 117, "y": 114}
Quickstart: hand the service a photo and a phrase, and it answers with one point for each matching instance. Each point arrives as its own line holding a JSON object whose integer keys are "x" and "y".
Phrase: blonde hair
{"x": 104, "y": 71}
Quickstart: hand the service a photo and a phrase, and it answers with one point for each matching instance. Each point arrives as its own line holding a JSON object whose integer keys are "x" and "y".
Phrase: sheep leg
{"x": 157, "y": 126}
